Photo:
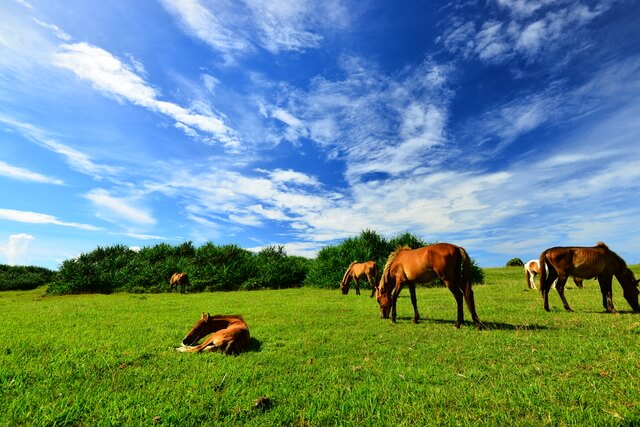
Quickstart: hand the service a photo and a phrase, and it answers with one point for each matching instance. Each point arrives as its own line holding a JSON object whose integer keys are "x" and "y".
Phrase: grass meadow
{"x": 322, "y": 359}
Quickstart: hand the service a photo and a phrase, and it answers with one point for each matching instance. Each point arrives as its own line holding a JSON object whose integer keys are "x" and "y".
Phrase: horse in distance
{"x": 587, "y": 262}
{"x": 229, "y": 333}
{"x": 532, "y": 269}
{"x": 179, "y": 281}
{"x": 449, "y": 263}
{"x": 360, "y": 271}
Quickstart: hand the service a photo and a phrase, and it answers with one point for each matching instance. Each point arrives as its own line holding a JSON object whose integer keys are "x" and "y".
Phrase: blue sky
{"x": 504, "y": 126}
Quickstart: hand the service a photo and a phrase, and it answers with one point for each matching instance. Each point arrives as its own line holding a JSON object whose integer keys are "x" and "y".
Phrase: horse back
{"x": 425, "y": 264}
{"x": 582, "y": 262}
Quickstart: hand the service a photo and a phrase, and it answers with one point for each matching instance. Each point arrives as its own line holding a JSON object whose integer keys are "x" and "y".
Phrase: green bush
{"x": 328, "y": 268}
{"x": 515, "y": 262}
{"x": 23, "y": 277}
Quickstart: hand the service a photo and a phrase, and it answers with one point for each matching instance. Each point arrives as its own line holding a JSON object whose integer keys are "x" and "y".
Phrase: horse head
{"x": 630, "y": 289}
{"x": 199, "y": 330}
{"x": 344, "y": 285}
{"x": 383, "y": 295}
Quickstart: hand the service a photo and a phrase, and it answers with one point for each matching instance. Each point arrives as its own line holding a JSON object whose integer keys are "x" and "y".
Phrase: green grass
{"x": 322, "y": 358}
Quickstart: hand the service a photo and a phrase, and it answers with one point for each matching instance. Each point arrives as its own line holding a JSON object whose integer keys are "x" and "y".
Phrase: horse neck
{"x": 347, "y": 274}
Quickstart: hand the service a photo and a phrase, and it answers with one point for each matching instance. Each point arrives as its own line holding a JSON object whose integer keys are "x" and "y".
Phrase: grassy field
{"x": 322, "y": 359}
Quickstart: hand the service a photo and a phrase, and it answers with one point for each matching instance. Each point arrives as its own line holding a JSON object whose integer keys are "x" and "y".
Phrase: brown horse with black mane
{"x": 360, "y": 271}
{"x": 585, "y": 263}
{"x": 229, "y": 334}
{"x": 449, "y": 263}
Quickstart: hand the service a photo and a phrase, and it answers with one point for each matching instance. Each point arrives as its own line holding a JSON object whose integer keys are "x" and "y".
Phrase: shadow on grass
{"x": 497, "y": 326}
{"x": 254, "y": 345}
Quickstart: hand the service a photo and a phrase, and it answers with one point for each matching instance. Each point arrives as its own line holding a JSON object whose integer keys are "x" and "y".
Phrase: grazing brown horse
{"x": 229, "y": 334}
{"x": 360, "y": 271}
{"x": 587, "y": 262}
{"x": 179, "y": 281}
{"x": 532, "y": 269}
{"x": 449, "y": 263}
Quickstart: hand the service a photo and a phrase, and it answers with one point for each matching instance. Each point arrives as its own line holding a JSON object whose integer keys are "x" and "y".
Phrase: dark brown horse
{"x": 179, "y": 281}
{"x": 587, "y": 262}
{"x": 360, "y": 271}
{"x": 449, "y": 263}
{"x": 229, "y": 334}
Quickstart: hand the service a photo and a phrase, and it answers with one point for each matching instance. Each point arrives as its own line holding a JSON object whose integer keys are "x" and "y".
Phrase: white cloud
{"x": 40, "y": 218}
{"x": 77, "y": 160}
{"x": 55, "y": 29}
{"x": 21, "y": 174}
{"x": 532, "y": 27}
{"x": 114, "y": 78}
{"x": 376, "y": 122}
{"x": 216, "y": 25}
{"x": 237, "y": 28}
{"x": 17, "y": 249}
{"x": 117, "y": 210}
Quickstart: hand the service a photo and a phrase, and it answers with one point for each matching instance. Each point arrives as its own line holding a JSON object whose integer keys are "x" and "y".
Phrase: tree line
{"x": 210, "y": 267}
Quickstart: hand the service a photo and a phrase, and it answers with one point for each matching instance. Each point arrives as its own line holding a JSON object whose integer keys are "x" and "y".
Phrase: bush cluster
{"x": 222, "y": 268}
{"x": 327, "y": 269}
{"x": 210, "y": 268}
{"x": 515, "y": 262}
{"x": 23, "y": 278}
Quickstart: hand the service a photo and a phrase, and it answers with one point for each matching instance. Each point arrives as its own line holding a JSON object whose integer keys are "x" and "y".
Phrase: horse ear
{"x": 204, "y": 316}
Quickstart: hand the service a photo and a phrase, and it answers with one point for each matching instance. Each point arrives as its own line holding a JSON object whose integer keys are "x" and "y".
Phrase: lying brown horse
{"x": 587, "y": 262}
{"x": 360, "y": 271}
{"x": 532, "y": 269}
{"x": 449, "y": 263}
{"x": 229, "y": 334}
{"x": 179, "y": 281}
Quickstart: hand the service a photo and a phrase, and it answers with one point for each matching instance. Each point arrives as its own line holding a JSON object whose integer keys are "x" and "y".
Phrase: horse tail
{"x": 542, "y": 265}
{"x": 346, "y": 273}
{"x": 466, "y": 269}
{"x": 376, "y": 272}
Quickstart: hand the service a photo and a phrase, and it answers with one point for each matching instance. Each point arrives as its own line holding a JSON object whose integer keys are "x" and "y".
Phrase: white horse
{"x": 532, "y": 268}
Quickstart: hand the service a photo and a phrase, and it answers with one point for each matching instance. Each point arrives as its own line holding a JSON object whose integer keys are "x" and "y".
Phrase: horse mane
{"x": 617, "y": 257}
{"x": 226, "y": 316}
{"x": 390, "y": 259}
{"x": 348, "y": 270}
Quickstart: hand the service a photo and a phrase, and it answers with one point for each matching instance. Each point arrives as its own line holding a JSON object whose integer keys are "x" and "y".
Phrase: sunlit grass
{"x": 322, "y": 359}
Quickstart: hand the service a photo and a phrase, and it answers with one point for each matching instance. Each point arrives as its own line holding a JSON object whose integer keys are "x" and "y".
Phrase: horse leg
{"x": 577, "y": 281}
{"x": 471, "y": 305}
{"x": 372, "y": 283}
{"x": 605, "y": 288}
{"x": 394, "y": 300}
{"x": 458, "y": 295}
{"x": 545, "y": 286}
{"x": 357, "y": 286}
{"x": 530, "y": 279}
{"x": 414, "y": 301}
{"x": 560, "y": 288}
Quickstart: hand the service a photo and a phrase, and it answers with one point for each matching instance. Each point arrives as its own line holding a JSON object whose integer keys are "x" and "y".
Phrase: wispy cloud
{"x": 21, "y": 174}
{"x": 57, "y": 31}
{"x": 530, "y": 28}
{"x": 376, "y": 122}
{"x": 118, "y": 209}
{"x": 237, "y": 28}
{"x": 114, "y": 78}
{"x": 77, "y": 160}
{"x": 40, "y": 218}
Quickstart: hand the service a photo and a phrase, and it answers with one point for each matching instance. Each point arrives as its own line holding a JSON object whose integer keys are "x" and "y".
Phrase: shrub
{"x": 23, "y": 277}
{"x": 327, "y": 270}
{"x": 515, "y": 262}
